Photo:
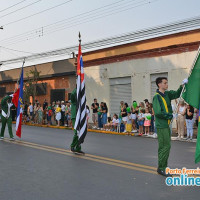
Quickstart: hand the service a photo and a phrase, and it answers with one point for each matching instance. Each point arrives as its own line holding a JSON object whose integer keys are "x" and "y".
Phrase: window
{"x": 2, "y": 91}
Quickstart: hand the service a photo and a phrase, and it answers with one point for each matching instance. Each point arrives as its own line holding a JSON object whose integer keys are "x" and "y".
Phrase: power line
{"x": 16, "y": 50}
{"x": 20, "y": 9}
{"x": 85, "y": 17}
{"x": 148, "y": 33}
{"x": 39, "y": 31}
{"x": 37, "y": 13}
{"x": 12, "y": 6}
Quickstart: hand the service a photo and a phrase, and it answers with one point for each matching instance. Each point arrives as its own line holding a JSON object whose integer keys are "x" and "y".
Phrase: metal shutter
{"x": 120, "y": 90}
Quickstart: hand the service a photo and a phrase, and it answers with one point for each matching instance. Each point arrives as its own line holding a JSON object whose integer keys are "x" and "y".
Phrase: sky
{"x": 138, "y": 14}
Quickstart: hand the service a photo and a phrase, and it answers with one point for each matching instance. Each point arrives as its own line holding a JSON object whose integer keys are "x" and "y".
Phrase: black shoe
{"x": 80, "y": 152}
{"x": 161, "y": 172}
{"x": 72, "y": 149}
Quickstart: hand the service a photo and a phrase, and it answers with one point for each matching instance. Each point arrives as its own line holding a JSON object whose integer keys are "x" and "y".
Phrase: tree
{"x": 30, "y": 85}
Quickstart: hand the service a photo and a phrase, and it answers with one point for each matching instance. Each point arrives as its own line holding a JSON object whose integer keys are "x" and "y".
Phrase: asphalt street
{"x": 41, "y": 167}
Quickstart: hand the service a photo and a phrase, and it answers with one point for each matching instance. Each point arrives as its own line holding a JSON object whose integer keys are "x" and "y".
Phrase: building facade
{"x": 128, "y": 72}
{"x": 56, "y": 82}
{"x": 125, "y": 72}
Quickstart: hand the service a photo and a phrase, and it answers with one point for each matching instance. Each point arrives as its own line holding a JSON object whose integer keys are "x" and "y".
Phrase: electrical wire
{"x": 53, "y": 7}
{"x": 174, "y": 27}
{"x": 74, "y": 21}
{"x": 2, "y": 16}
{"x": 16, "y": 50}
{"x": 12, "y": 6}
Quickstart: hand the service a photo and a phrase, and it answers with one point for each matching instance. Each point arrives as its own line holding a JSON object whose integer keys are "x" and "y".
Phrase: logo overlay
{"x": 183, "y": 177}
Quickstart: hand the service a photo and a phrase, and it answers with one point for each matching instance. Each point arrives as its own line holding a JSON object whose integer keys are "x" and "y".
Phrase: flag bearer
{"x": 6, "y": 116}
{"x": 75, "y": 146}
{"x": 163, "y": 114}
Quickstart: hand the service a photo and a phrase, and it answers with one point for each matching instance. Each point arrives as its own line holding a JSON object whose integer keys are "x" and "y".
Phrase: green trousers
{"x": 5, "y": 121}
{"x": 164, "y": 145}
{"x": 74, "y": 143}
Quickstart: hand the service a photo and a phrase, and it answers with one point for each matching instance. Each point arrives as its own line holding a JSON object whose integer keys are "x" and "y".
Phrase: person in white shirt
{"x": 30, "y": 111}
{"x": 62, "y": 113}
{"x": 181, "y": 119}
{"x": 87, "y": 114}
{"x": 141, "y": 121}
{"x": 113, "y": 124}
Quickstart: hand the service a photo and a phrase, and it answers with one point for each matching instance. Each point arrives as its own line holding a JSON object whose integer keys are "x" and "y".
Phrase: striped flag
{"x": 20, "y": 107}
{"x": 81, "y": 122}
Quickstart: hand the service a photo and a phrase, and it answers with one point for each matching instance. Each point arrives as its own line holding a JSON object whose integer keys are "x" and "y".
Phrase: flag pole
{"x": 79, "y": 35}
{"x": 190, "y": 72}
{"x": 20, "y": 74}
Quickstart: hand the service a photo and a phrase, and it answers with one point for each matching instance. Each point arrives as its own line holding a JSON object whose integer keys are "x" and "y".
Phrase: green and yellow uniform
{"x": 163, "y": 115}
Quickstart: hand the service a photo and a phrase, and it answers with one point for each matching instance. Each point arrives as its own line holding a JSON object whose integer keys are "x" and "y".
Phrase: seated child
{"x": 112, "y": 125}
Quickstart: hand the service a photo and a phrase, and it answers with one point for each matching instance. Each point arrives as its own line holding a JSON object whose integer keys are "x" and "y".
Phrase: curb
{"x": 63, "y": 127}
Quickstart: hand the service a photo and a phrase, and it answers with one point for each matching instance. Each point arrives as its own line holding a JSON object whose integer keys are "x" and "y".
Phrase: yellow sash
{"x": 165, "y": 104}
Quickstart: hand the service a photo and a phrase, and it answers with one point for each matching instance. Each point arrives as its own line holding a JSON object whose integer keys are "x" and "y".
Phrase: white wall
{"x": 97, "y": 77}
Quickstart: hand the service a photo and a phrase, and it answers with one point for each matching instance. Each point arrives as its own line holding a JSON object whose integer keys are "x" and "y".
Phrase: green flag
{"x": 191, "y": 95}
{"x": 192, "y": 89}
{"x": 197, "y": 154}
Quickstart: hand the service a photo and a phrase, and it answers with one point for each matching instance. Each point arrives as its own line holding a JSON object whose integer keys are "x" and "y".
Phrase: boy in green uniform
{"x": 75, "y": 146}
{"x": 163, "y": 114}
{"x": 6, "y": 116}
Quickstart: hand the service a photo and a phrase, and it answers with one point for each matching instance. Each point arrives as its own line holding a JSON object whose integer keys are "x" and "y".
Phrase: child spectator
{"x": 58, "y": 114}
{"x": 189, "y": 121}
{"x": 134, "y": 116}
{"x": 141, "y": 121}
{"x": 115, "y": 122}
{"x": 104, "y": 114}
{"x": 147, "y": 121}
{"x": 108, "y": 125}
{"x": 100, "y": 116}
{"x": 129, "y": 123}
{"x": 50, "y": 114}
{"x": 112, "y": 125}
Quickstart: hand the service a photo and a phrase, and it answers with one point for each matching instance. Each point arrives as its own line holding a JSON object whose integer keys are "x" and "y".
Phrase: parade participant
{"x": 6, "y": 116}
{"x": 163, "y": 115}
{"x": 75, "y": 146}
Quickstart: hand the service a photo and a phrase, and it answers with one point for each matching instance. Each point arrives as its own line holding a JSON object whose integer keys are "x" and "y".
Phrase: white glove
{"x": 11, "y": 95}
{"x": 185, "y": 81}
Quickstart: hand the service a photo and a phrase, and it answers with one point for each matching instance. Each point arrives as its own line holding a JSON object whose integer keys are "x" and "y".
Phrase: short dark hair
{"x": 95, "y": 99}
{"x": 159, "y": 80}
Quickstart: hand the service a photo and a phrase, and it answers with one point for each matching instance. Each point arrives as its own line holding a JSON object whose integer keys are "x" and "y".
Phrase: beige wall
{"x": 97, "y": 77}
